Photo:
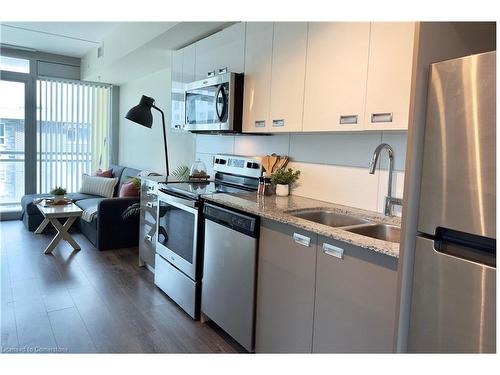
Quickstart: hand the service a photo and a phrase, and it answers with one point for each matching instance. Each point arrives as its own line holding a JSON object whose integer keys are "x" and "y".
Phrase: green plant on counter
{"x": 58, "y": 191}
{"x": 136, "y": 181}
{"x": 285, "y": 176}
{"x": 181, "y": 171}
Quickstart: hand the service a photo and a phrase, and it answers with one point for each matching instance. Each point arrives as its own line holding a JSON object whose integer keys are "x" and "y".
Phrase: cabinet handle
{"x": 223, "y": 70}
{"x": 149, "y": 238}
{"x": 278, "y": 123}
{"x": 210, "y": 74}
{"x": 149, "y": 204}
{"x": 151, "y": 194}
{"x": 260, "y": 124}
{"x": 382, "y": 117}
{"x": 302, "y": 240}
{"x": 150, "y": 188}
{"x": 348, "y": 119}
{"x": 334, "y": 251}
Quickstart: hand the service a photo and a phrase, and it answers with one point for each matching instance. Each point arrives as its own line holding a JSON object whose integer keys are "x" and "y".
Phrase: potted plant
{"x": 58, "y": 194}
{"x": 283, "y": 178}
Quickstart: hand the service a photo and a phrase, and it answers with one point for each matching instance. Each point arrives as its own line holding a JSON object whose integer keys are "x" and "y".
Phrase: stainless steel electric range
{"x": 179, "y": 246}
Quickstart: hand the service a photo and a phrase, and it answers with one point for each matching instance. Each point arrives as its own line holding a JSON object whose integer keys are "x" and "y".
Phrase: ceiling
{"x": 64, "y": 38}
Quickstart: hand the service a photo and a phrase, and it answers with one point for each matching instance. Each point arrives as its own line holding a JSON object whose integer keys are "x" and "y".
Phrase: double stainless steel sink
{"x": 385, "y": 232}
{"x": 364, "y": 227}
{"x": 330, "y": 218}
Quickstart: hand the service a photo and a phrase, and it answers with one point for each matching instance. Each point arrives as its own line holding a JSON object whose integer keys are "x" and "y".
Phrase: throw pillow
{"x": 101, "y": 186}
{"x": 129, "y": 189}
{"x": 107, "y": 173}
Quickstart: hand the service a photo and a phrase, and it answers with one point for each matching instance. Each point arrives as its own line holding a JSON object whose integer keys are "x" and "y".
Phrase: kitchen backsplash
{"x": 334, "y": 167}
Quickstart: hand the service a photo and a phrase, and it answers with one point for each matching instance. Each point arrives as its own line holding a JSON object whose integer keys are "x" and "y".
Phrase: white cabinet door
{"x": 285, "y": 289}
{"x": 335, "y": 88}
{"x": 188, "y": 63}
{"x": 355, "y": 299}
{"x": 177, "y": 91}
{"x": 287, "y": 76}
{"x": 389, "y": 75}
{"x": 183, "y": 61}
{"x": 258, "y": 58}
{"x": 224, "y": 49}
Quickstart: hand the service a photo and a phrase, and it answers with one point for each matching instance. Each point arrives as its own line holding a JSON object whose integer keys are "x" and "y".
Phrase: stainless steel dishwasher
{"x": 229, "y": 272}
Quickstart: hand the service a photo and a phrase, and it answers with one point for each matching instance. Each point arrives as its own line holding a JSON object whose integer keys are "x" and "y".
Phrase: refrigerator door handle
{"x": 466, "y": 246}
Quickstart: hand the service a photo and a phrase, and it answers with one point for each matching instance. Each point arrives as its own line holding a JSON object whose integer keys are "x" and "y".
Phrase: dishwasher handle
{"x": 237, "y": 221}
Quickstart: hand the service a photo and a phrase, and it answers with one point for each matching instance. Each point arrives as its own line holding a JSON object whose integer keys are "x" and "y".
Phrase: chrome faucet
{"x": 390, "y": 201}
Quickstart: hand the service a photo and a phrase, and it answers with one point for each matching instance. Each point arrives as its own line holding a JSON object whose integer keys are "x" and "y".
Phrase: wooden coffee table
{"x": 51, "y": 215}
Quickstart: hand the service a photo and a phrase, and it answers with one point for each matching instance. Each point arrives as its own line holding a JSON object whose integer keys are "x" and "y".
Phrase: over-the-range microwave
{"x": 214, "y": 104}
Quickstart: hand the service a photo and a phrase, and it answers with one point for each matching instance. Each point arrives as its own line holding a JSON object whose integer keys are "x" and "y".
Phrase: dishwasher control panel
{"x": 237, "y": 221}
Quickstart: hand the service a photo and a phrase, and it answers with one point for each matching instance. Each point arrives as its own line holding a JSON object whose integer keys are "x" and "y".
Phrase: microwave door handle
{"x": 222, "y": 91}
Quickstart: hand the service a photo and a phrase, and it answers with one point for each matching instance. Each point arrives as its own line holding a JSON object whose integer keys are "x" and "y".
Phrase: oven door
{"x": 177, "y": 236}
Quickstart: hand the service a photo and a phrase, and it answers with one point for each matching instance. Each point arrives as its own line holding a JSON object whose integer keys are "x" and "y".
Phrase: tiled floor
{"x": 90, "y": 301}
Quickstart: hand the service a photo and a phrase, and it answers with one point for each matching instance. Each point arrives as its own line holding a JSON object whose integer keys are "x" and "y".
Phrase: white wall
{"x": 140, "y": 147}
{"x": 334, "y": 167}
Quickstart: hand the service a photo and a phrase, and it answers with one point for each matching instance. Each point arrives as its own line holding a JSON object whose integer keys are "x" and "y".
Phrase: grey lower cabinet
{"x": 285, "y": 289}
{"x": 315, "y": 294}
{"x": 355, "y": 304}
{"x": 147, "y": 222}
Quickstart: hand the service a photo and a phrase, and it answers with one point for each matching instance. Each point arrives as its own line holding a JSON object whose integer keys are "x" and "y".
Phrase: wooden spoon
{"x": 273, "y": 160}
{"x": 282, "y": 162}
{"x": 265, "y": 163}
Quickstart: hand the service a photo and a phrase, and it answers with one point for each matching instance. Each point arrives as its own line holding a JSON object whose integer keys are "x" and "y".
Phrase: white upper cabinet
{"x": 335, "y": 85}
{"x": 183, "y": 61}
{"x": 258, "y": 59}
{"x": 188, "y": 63}
{"x": 389, "y": 75}
{"x": 287, "y": 76}
{"x": 316, "y": 77}
{"x": 224, "y": 49}
{"x": 177, "y": 92}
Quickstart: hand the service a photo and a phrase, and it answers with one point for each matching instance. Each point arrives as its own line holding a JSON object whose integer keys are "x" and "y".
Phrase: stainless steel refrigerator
{"x": 453, "y": 298}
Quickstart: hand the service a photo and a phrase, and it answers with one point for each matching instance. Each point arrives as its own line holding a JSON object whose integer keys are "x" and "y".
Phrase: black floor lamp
{"x": 141, "y": 114}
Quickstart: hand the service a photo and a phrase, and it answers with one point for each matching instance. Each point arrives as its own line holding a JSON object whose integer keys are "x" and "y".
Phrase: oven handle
{"x": 183, "y": 204}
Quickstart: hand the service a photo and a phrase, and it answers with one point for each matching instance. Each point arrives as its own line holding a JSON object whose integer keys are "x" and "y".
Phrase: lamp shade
{"x": 141, "y": 113}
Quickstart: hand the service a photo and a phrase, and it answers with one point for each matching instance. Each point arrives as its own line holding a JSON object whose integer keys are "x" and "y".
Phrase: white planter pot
{"x": 282, "y": 190}
{"x": 58, "y": 198}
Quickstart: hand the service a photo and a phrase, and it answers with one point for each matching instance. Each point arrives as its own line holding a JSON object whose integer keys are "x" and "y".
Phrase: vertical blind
{"x": 73, "y": 132}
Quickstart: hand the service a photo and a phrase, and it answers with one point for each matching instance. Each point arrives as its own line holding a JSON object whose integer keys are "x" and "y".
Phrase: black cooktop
{"x": 195, "y": 189}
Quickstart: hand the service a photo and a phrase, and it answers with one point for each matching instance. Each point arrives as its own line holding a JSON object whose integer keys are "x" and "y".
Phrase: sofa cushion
{"x": 127, "y": 173}
{"x": 75, "y": 197}
{"x": 107, "y": 173}
{"x": 29, "y": 208}
{"x": 27, "y": 203}
{"x": 129, "y": 189}
{"x": 117, "y": 173}
{"x": 88, "y": 203}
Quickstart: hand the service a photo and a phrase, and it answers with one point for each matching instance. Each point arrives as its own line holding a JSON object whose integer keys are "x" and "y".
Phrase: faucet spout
{"x": 389, "y": 199}
{"x": 373, "y": 163}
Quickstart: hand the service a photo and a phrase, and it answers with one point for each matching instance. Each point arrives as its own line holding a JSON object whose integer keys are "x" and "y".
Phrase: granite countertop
{"x": 278, "y": 209}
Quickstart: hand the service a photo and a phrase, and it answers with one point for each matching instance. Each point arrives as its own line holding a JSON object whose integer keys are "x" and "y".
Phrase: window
{"x": 13, "y": 64}
{"x": 73, "y": 132}
{"x": 2, "y": 133}
{"x": 12, "y": 152}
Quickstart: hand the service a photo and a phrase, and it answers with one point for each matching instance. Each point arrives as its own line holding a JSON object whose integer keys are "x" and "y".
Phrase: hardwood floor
{"x": 90, "y": 302}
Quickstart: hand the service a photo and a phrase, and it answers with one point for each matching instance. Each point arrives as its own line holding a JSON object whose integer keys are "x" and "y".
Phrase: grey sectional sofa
{"x": 107, "y": 230}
